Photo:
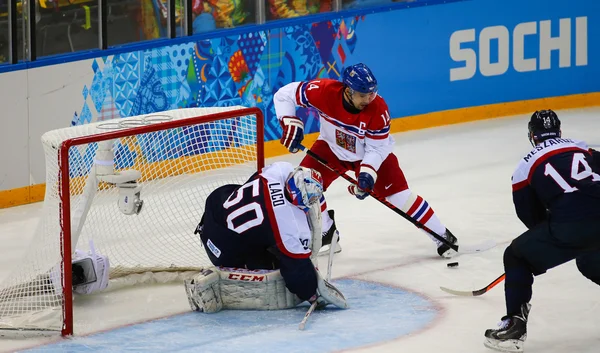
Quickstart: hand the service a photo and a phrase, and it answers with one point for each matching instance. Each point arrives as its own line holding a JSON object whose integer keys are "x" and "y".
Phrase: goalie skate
{"x": 324, "y": 251}
{"x": 328, "y": 236}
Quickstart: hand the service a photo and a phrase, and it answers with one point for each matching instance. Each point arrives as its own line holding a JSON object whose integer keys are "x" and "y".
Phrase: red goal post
{"x": 176, "y": 158}
{"x": 65, "y": 193}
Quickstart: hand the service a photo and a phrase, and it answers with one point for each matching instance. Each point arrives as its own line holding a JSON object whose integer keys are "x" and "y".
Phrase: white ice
{"x": 463, "y": 171}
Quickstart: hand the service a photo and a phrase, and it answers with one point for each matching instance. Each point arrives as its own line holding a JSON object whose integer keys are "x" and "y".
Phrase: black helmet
{"x": 544, "y": 124}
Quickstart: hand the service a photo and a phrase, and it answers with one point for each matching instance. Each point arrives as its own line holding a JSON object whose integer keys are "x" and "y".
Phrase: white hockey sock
{"x": 419, "y": 210}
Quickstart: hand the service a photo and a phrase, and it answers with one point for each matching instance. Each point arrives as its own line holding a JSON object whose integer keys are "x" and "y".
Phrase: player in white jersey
{"x": 354, "y": 136}
{"x": 260, "y": 238}
{"x": 556, "y": 192}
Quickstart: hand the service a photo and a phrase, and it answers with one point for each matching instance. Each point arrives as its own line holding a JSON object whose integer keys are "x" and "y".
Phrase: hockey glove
{"x": 355, "y": 191}
{"x": 365, "y": 182}
{"x": 293, "y": 133}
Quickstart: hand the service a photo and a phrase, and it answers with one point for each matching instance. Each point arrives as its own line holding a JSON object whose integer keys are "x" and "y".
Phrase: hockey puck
{"x": 452, "y": 264}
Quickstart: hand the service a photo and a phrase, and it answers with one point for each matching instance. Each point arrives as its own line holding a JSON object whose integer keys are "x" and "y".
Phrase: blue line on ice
{"x": 377, "y": 313}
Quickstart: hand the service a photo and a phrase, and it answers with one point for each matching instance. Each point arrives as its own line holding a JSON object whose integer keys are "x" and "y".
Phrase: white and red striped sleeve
{"x": 378, "y": 142}
{"x": 285, "y": 101}
{"x": 301, "y": 94}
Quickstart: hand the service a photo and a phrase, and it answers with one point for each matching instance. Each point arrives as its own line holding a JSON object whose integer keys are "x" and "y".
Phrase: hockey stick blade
{"x": 475, "y": 293}
{"x": 475, "y": 248}
{"x": 307, "y": 315}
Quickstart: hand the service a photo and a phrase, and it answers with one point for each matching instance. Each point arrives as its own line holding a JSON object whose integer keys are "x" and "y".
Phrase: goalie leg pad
{"x": 214, "y": 289}
{"x": 255, "y": 290}
{"x": 203, "y": 291}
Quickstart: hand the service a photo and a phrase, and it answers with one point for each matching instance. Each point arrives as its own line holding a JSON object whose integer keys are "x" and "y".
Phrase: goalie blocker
{"x": 270, "y": 224}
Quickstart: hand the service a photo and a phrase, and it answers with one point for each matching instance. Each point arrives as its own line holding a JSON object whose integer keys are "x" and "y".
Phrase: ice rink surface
{"x": 388, "y": 269}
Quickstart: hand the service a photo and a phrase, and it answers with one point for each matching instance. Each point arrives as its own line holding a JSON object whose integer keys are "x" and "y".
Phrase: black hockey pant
{"x": 546, "y": 246}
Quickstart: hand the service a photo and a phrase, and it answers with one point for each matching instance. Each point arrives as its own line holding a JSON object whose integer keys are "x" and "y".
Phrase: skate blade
{"x": 325, "y": 250}
{"x": 515, "y": 346}
{"x": 448, "y": 254}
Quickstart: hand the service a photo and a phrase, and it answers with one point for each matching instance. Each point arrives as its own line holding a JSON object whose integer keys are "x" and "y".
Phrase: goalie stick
{"x": 314, "y": 220}
{"x": 307, "y": 315}
{"x": 332, "y": 246}
{"x": 323, "y": 286}
{"x": 486, "y": 245}
{"x": 475, "y": 293}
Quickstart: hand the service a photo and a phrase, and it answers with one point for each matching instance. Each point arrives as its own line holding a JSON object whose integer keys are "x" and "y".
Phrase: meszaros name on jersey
{"x": 560, "y": 173}
{"x": 554, "y": 142}
{"x": 540, "y": 153}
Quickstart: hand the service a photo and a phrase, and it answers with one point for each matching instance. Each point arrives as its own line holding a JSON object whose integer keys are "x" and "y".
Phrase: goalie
{"x": 260, "y": 237}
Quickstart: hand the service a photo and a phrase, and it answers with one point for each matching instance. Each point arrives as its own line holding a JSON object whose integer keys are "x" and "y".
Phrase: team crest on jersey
{"x": 345, "y": 141}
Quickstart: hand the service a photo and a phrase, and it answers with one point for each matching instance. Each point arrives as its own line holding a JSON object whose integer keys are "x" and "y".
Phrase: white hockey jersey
{"x": 289, "y": 223}
{"x": 364, "y": 136}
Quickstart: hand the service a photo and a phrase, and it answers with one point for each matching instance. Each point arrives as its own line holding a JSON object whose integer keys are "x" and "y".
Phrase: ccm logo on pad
{"x": 247, "y": 278}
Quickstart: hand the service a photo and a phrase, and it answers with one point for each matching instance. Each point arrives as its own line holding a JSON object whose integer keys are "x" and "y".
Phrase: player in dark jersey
{"x": 263, "y": 225}
{"x": 556, "y": 192}
{"x": 354, "y": 136}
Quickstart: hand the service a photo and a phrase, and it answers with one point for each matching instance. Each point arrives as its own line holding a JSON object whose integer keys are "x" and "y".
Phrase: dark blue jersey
{"x": 254, "y": 226}
{"x": 596, "y": 160}
{"x": 558, "y": 179}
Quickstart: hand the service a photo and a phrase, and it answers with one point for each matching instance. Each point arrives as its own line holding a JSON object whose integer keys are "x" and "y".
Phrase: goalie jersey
{"x": 558, "y": 178}
{"x": 254, "y": 226}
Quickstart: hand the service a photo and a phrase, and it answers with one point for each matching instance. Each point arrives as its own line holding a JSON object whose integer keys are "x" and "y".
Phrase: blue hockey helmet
{"x": 543, "y": 125}
{"x": 359, "y": 78}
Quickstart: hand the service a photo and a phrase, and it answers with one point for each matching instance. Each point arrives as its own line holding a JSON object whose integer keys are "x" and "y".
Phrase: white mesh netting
{"x": 179, "y": 168}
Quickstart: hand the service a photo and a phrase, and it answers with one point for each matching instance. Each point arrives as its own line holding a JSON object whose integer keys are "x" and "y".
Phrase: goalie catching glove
{"x": 293, "y": 133}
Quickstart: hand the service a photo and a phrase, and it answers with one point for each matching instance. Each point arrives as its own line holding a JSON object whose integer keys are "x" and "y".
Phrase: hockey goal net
{"x": 174, "y": 159}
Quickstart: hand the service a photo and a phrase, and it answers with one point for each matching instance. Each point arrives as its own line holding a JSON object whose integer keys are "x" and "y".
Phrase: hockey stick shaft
{"x": 307, "y": 315}
{"x": 380, "y": 199}
{"x": 476, "y": 293}
{"x": 332, "y": 247}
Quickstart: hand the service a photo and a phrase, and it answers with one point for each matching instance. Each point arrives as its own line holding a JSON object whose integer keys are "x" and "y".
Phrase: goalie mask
{"x": 304, "y": 187}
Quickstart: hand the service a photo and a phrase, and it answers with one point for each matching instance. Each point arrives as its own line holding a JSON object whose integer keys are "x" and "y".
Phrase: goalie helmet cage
{"x": 174, "y": 159}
